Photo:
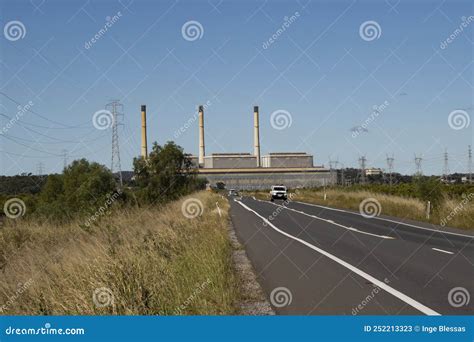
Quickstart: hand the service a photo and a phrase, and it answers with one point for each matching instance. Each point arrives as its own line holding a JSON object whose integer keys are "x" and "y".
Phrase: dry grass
{"x": 461, "y": 213}
{"x": 144, "y": 261}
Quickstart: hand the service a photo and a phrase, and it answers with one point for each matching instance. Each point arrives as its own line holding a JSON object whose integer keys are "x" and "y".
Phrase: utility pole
{"x": 418, "y": 160}
{"x": 446, "y": 167}
{"x": 362, "y": 162}
{"x": 469, "y": 165}
{"x": 116, "y": 108}
{"x": 390, "y": 161}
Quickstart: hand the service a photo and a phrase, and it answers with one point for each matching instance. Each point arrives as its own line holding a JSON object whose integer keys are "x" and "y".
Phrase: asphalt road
{"x": 322, "y": 261}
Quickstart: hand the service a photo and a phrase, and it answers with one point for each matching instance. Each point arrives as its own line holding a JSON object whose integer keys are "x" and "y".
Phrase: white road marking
{"x": 334, "y": 223}
{"x": 388, "y": 220}
{"x": 410, "y": 301}
{"x": 442, "y": 250}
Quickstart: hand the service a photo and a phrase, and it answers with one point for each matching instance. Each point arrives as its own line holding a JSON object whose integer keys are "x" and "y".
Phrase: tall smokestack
{"x": 202, "y": 150}
{"x": 256, "y": 135}
{"x": 144, "y": 141}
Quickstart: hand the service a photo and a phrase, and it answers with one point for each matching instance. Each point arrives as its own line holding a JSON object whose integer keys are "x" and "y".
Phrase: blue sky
{"x": 319, "y": 71}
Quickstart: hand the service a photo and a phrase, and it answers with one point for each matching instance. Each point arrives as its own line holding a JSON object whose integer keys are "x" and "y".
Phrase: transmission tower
{"x": 362, "y": 162}
{"x": 418, "y": 160}
{"x": 39, "y": 169}
{"x": 469, "y": 164}
{"x": 64, "y": 152}
{"x": 446, "y": 167}
{"x": 333, "y": 169}
{"x": 116, "y": 108}
{"x": 343, "y": 179}
{"x": 390, "y": 161}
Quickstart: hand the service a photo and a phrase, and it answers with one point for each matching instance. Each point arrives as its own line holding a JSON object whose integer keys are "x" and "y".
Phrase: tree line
{"x": 83, "y": 187}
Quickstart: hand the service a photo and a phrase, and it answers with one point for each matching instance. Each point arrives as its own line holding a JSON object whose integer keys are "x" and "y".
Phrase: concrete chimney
{"x": 202, "y": 150}
{"x": 256, "y": 135}
{"x": 144, "y": 140}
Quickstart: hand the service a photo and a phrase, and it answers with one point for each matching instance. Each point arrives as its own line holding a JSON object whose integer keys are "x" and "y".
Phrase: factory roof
{"x": 229, "y": 155}
{"x": 287, "y": 154}
{"x": 268, "y": 170}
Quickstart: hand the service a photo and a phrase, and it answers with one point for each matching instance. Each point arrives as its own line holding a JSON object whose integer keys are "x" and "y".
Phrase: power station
{"x": 245, "y": 171}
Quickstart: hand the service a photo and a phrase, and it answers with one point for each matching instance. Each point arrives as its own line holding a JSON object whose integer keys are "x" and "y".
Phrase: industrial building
{"x": 288, "y": 159}
{"x": 252, "y": 171}
{"x": 230, "y": 161}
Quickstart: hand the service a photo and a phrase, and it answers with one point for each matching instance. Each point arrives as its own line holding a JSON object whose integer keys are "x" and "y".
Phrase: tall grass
{"x": 140, "y": 261}
{"x": 460, "y": 212}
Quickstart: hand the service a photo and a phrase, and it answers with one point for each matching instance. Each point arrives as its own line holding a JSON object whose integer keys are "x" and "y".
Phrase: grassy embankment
{"x": 136, "y": 261}
{"x": 460, "y": 212}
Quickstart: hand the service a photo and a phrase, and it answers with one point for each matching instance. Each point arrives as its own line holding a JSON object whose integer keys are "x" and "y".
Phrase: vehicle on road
{"x": 233, "y": 192}
{"x": 278, "y": 192}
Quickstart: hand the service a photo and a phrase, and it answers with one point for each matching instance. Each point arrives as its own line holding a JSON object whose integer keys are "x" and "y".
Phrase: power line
{"x": 39, "y": 115}
{"x": 30, "y": 147}
{"x": 54, "y": 138}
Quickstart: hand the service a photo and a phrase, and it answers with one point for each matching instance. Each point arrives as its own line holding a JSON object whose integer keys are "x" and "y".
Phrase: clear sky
{"x": 310, "y": 62}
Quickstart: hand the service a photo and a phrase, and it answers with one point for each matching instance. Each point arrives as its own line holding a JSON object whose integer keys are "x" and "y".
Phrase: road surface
{"x": 322, "y": 261}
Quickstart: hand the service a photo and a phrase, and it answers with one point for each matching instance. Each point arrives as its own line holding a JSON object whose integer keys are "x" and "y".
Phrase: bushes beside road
{"x": 87, "y": 246}
{"x": 452, "y": 209}
{"x": 136, "y": 261}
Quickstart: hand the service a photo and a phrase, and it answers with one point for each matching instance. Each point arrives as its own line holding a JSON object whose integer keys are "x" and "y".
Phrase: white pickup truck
{"x": 278, "y": 192}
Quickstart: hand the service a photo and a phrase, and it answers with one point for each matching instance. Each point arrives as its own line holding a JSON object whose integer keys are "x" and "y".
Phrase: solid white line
{"x": 388, "y": 220}
{"x": 442, "y": 250}
{"x": 334, "y": 223}
{"x": 410, "y": 301}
